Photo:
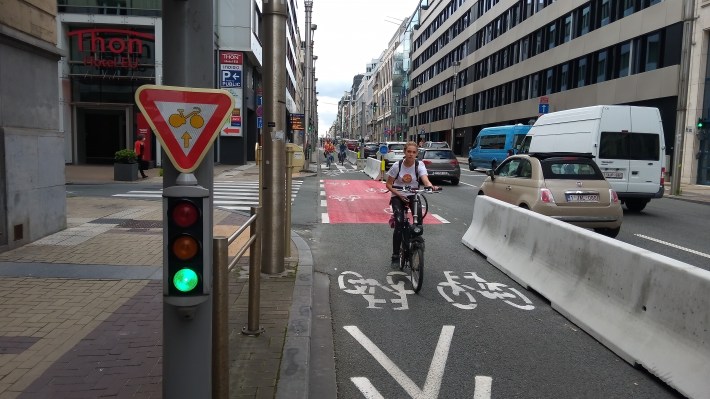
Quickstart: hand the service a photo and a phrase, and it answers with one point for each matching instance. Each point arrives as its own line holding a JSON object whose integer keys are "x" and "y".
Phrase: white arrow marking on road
{"x": 432, "y": 385}
{"x": 366, "y": 388}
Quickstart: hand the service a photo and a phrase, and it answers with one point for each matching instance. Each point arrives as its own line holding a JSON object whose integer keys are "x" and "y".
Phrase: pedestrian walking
{"x": 139, "y": 148}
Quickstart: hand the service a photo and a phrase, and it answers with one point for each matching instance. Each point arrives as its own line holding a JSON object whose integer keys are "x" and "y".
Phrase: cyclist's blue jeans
{"x": 398, "y": 209}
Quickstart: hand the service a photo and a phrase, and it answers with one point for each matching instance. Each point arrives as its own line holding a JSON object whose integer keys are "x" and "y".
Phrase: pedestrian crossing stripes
{"x": 239, "y": 196}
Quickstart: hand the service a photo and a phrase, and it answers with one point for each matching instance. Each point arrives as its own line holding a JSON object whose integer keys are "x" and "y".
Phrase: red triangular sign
{"x": 185, "y": 120}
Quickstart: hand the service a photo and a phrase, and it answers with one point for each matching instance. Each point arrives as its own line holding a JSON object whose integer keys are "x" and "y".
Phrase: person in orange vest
{"x": 139, "y": 148}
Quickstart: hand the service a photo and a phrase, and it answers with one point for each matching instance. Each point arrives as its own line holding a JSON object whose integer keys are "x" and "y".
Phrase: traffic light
{"x": 701, "y": 123}
{"x": 187, "y": 256}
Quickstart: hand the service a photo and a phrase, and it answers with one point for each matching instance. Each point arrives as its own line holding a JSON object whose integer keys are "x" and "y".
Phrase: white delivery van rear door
{"x": 646, "y": 155}
{"x": 612, "y": 157}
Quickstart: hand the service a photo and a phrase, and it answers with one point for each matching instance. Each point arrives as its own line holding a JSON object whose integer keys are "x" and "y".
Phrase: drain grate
{"x": 141, "y": 224}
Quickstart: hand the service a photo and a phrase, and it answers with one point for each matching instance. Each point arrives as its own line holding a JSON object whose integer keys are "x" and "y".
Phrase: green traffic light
{"x": 700, "y": 123}
{"x": 185, "y": 280}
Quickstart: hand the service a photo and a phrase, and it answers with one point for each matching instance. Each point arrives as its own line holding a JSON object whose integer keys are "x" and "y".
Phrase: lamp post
{"x": 453, "y": 103}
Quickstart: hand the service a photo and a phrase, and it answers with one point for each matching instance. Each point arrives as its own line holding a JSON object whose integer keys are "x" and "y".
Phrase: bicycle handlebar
{"x": 409, "y": 189}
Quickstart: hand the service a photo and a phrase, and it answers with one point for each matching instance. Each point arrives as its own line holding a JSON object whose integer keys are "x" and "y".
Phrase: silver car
{"x": 395, "y": 152}
{"x": 441, "y": 164}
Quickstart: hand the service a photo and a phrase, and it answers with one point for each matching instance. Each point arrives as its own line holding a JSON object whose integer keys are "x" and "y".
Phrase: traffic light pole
{"x": 274, "y": 135}
{"x": 188, "y": 61}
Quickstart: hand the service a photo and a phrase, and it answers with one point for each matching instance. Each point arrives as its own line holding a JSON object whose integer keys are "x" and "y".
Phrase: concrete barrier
{"x": 372, "y": 168}
{"x": 649, "y": 309}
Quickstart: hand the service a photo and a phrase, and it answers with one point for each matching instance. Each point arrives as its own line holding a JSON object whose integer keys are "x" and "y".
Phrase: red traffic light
{"x": 185, "y": 214}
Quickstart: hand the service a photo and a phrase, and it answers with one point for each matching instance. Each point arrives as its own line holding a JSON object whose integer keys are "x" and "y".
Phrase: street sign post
{"x": 186, "y": 121}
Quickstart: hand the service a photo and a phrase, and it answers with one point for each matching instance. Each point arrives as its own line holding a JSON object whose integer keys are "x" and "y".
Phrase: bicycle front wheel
{"x": 416, "y": 267}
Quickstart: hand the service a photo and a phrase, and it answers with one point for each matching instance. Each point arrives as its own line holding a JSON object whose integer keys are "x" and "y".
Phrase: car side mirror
{"x": 491, "y": 173}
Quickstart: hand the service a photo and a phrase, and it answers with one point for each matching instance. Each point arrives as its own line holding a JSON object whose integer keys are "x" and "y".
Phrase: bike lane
{"x": 470, "y": 333}
{"x": 360, "y": 201}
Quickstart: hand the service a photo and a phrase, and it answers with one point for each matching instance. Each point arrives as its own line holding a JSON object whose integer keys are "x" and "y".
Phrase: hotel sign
{"x": 106, "y": 48}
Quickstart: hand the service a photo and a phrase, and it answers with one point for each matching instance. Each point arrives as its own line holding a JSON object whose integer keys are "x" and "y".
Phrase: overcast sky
{"x": 350, "y": 34}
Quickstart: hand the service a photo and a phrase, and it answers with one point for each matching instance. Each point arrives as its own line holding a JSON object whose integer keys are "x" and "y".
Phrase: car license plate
{"x": 582, "y": 197}
{"x": 614, "y": 175}
{"x": 440, "y": 173}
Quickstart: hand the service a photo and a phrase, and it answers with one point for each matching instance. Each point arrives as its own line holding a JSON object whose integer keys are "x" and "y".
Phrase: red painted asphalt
{"x": 360, "y": 201}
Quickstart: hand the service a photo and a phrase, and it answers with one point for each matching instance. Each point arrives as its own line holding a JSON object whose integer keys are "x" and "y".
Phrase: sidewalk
{"x": 688, "y": 192}
{"x": 81, "y": 310}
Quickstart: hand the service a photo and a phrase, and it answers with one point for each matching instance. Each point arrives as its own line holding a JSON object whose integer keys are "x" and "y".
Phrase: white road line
{"x": 323, "y": 202}
{"x": 322, "y": 193}
{"x": 325, "y": 218}
{"x": 471, "y": 185}
{"x": 432, "y": 385}
{"x": 692, "y": 251}
{"x": 439, "y": 218}
{"x": 366, "y": 388}
{"x": 483, "y": 387}
{"x": 138, "y": 195}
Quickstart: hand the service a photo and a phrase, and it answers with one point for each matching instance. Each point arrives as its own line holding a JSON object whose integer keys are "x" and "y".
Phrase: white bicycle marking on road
{"x": 368, "y": 288}
{"x": 340, "y": 198}
{"x": 692, "y": 251}
{"x": 487, "y": 289}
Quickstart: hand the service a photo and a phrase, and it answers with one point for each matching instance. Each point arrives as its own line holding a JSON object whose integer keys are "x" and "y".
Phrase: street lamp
{"x": 453, "y": 103}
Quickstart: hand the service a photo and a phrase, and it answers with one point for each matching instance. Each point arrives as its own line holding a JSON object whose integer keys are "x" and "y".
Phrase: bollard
{"x": 382, "y": 169}
{"x": 220, "y": 317}
{"x": 252, "y": 327}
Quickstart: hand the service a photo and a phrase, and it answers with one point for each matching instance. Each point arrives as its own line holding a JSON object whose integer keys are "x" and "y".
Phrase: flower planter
{"x": 125, "y": 171}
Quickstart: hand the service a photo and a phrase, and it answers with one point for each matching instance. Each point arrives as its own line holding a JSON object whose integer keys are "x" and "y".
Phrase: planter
{"x": 125, "y": 171}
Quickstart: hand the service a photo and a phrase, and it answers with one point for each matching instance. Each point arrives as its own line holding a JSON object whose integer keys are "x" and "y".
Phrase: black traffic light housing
{"x": 703, "y": 123}
{"x": 187, "y": 245}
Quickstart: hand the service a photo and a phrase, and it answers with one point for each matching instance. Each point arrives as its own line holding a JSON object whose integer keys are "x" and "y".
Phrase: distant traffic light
{"x": 187, "y": 260}
{"x": 701, "y": 123}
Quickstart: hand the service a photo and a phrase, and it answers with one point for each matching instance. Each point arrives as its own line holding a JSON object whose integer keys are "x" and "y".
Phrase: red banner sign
{"x": 107, "y": 48}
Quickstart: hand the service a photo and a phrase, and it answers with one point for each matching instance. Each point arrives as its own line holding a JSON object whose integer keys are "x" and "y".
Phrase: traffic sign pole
{"x": 188, "y": 62}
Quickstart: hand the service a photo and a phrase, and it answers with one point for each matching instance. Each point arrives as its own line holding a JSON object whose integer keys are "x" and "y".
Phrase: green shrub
{"x": 125, "y": 156}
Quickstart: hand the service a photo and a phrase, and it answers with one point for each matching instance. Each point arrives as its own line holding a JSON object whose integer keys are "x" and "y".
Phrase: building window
{"x": 567, "y": 29}
{"x": 535, "y": 85}
{"x": 564, "y": 77}
{"x": 524, "y": 45}
{"x": 624, "y": 59}
{"x": 600, "y": 66}
{"x": 605, "y": 13}
{"x": 581, "y": 72}
{"x": 627, "y": 7}
{"x": 549, "y": 81}
{"x": 653, "y": 52}
{"x": 585, "y": 18}
{"x": 551, "y": 36}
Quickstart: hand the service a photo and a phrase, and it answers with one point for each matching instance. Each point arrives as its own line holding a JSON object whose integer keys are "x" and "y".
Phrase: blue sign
{"x": 383, "y": 149}
{"x": 543, "y": 108}
{"x": 231, "y": 78}
{"x": 259, "y": 122}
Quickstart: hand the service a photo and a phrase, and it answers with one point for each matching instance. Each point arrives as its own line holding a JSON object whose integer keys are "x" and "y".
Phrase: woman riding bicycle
{"x": 328, "y": 150}
{"x": 400, "y": 177}
{"x": 342, "y": 154}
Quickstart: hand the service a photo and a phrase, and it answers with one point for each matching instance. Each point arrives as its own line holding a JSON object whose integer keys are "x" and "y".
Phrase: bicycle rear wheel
{"x": 402, "y": 256}
{"x": 416, "y": 266}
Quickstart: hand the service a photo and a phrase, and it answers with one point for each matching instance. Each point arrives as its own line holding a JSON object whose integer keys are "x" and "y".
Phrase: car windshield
{"x": 438, "y": 154}
{"x": 570, "y": 169}
{"x": 397, "y": 147}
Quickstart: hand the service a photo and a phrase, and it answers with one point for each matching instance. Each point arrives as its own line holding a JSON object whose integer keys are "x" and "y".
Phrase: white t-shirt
{"x": 406, "y": 176}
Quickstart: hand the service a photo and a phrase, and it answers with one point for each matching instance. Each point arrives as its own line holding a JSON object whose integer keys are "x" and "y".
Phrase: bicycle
{"x": 411, "y": 252}
{"x": 341, "y": 158}
{"x": 328, "y": 159}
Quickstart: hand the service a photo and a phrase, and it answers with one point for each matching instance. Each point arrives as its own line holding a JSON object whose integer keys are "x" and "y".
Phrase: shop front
{"x": 106, "y": 65}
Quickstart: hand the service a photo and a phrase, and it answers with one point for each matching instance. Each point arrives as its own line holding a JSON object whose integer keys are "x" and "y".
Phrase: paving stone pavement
{"x": 81, "y": 310}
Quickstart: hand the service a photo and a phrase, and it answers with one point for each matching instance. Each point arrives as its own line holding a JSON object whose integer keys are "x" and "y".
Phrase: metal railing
{"x": 220, "y": 316}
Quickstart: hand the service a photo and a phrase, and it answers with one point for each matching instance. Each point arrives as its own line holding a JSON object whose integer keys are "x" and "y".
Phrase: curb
{"x": 293, "y": 379}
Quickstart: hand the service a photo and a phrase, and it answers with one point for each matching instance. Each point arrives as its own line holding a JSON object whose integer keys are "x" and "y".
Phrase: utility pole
{"x": 307, "y": 74}
{"x": 273, "y": 139}
{"x": 453, "y": 103}
{"x": 188, "y": 62}
{"x": 686, "y": 45}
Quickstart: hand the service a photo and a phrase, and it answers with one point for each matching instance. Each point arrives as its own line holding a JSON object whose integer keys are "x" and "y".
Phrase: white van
{"x": 627, "y": 143}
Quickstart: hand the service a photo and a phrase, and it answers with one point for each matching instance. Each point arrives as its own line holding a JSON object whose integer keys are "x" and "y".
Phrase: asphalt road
{"x": 493, "y": 339}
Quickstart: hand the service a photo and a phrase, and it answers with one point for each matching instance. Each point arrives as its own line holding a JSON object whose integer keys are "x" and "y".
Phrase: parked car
{"x": 395, "y": 152}
{"x": 370, "y": 149}
{"x": 441, "y": 164}
{"x": 436, "y": 144}
{"x": 566, "y": 186}
{"x": 353, "y": 145}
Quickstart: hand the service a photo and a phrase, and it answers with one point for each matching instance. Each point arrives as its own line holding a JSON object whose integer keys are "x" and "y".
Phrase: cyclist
{"x": 341, "y": 154}
{"x": 329, "y": 149}
{"x": 407, "y": 172}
